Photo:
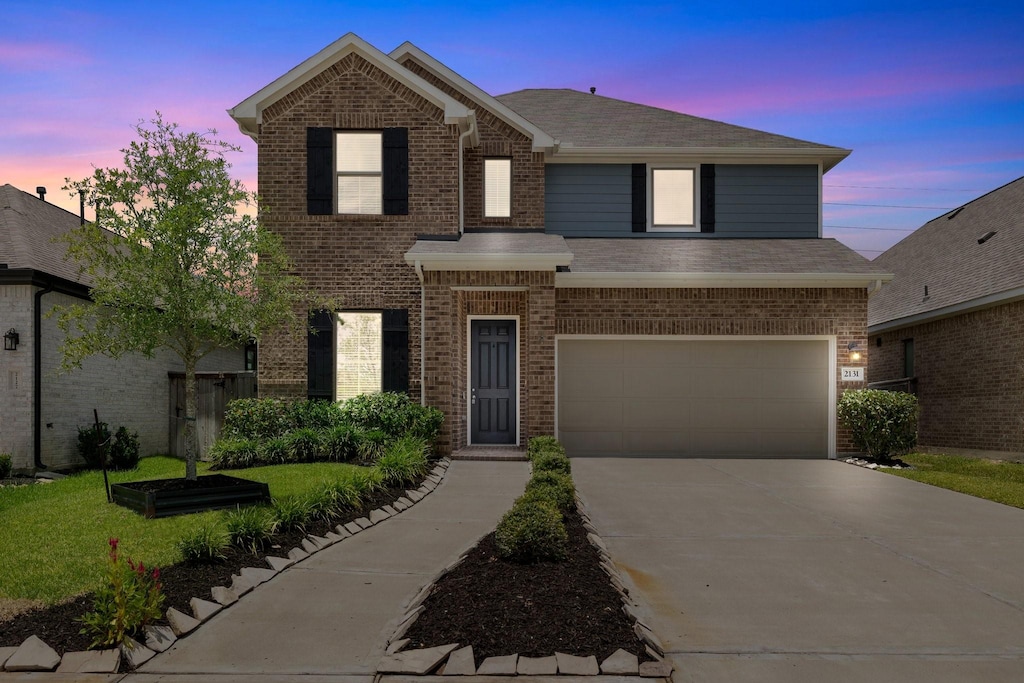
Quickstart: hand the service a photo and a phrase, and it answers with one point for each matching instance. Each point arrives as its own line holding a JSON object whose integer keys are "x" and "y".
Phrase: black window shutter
{"x": 319, "y": 171}
{"x": 707, "y": 197}
{"x": 396, "y": 171}
{"x": 639, "y": 197}
{"x": 320, "y": 357}
{"x": 396, "y": 350}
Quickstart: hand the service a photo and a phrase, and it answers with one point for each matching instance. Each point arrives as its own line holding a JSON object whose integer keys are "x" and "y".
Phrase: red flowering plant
{"x": 127, "y": 602}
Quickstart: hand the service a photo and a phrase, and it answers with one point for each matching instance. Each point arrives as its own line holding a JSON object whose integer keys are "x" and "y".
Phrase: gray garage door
{"x": 762, "y": 398}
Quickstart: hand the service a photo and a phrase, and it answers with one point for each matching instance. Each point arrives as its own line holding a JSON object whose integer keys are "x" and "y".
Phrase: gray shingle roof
{"x": 525, "y": 243}
{"x": 695, "y": 255}
{"x": 944, "y": 254}
{"x": 584, "y": 120}
{"x": 27, "y": 228}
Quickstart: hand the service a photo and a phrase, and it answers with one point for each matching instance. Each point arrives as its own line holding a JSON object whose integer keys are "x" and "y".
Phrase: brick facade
{"x": 970, "y": 378}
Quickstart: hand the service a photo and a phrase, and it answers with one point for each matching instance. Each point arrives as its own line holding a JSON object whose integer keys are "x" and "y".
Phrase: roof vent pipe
{"x": 593, "y": 90}
{"x": 41, "y": 191}
{"x": 986, "y": 237}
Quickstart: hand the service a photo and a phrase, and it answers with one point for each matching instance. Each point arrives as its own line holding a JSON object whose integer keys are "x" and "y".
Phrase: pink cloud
{"x": 38, "y": 56}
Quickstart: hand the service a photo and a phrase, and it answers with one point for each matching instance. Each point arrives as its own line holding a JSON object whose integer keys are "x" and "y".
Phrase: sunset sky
{"x": 930, "y": 96}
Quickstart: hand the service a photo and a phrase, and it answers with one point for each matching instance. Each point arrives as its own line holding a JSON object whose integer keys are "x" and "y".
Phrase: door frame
{"x": 833, "y": 364}
{"x": 469, "y": 372}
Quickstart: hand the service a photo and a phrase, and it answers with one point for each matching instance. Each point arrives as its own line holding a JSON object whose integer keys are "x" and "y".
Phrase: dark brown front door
{"x": 493, "y": 379}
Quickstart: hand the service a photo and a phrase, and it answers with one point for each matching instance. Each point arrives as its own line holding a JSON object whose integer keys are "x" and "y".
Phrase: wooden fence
{"x": 213, "y": 391}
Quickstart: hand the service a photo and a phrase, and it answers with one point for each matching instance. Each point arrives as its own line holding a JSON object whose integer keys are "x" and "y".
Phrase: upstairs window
{"x": 359, "y": 172}
{"x": 497, "y": 188}
{"x": 673, "y": 199}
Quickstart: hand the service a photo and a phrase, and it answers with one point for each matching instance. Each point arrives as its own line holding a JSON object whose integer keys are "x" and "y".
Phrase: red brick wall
{"x": 756, "y": 311}
{"x": 970, "y": 377}
{"x": 356, "y": 258}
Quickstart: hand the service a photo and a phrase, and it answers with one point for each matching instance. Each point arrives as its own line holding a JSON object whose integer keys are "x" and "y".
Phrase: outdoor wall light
{"x": 11, "y": 340}
{"x": 852, "y": 348}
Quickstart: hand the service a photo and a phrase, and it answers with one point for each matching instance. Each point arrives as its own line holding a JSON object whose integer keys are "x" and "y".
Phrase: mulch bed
{"x": 502, "y": 608}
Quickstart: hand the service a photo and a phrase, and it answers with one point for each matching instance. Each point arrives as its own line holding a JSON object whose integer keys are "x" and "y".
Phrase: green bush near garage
{"x": 882, "y": 423}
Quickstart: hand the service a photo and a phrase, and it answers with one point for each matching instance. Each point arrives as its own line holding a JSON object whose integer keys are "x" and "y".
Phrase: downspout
{"x": 37, "y": 376}
{"x": 423, "y": 334}
{"x": 462, "y": 144}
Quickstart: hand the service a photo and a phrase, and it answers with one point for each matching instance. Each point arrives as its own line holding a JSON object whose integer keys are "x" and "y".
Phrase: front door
{"x": 492, "y": 381}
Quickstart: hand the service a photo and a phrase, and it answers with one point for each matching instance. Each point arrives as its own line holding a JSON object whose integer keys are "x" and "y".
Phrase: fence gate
{"x": 213, "y": 391}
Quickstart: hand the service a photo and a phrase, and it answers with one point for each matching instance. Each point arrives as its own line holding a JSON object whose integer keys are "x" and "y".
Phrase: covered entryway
{"x": 709, "y": 397}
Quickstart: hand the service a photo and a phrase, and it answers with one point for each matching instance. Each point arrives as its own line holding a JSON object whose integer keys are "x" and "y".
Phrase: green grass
{"x": 1002, "y": 482}
{"x": 53, "y": 537}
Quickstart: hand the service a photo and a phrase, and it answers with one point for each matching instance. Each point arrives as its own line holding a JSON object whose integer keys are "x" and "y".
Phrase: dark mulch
{"x": 58, "y": 625}
{"x": 501, "y": 608}
{"x": 207, "y": 481}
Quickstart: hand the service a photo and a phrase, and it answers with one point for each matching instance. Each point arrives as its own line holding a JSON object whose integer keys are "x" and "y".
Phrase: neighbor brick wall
{"x": 725, "y": 311}
{"x": 970, "y": 377}
{"x": 358, "y": 259}
{"x": 497, "y": 139}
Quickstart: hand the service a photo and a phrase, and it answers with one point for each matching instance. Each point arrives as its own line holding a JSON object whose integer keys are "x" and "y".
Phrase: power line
{"x": 906, "y": 189}
{"x": 892, "y": 206}
{"x": 864, "y": 227}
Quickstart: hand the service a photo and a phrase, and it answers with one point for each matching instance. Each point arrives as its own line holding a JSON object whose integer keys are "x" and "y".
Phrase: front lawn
{"x": 1002, "y": 482}
{"x": 53, "y": 537}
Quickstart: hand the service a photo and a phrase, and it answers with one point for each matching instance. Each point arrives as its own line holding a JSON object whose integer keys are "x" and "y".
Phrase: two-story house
{"x": 630, "y": 279}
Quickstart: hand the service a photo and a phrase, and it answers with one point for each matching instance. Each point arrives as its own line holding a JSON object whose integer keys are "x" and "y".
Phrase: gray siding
{"x": 757, "y": 201}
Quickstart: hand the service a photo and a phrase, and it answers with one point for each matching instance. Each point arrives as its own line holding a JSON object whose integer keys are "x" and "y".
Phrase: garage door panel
{"x": 592, "y": 443}
{"x": 798, "y": 414}
{"x": 656, "y": 415}
{"x": 795, "y": 444}
{"x": 721, "y": 414}
{"x": 792, "y": 383}
{"x": 795, "y": 355}
{"x": 662, "y": 382}
{"x": 591, "y": 415}
{"x": 643, "y": 442}
{"x": 732, "y": 442}
{"x": 593, "y": 382}
{"x": 590, "y": 353}
{"x": 656, "y": 354}
{"x": 713, "y": 382}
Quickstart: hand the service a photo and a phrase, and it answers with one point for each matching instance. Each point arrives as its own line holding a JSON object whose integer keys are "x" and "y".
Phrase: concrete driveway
{"x": 795, "y": 570}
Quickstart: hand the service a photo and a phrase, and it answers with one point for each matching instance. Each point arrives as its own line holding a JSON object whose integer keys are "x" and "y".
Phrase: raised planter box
{"x": 167, "y": 497}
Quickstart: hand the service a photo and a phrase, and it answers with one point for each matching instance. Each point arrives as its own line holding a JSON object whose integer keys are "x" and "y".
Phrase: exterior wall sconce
{"x": 854, "y": 353}
{"x": 11, "y": 340}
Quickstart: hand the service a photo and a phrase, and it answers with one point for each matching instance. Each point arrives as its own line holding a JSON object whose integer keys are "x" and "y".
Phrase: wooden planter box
{"x": 167, "y": 497}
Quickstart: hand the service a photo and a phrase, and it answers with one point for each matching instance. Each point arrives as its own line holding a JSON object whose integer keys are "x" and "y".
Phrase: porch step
{"x": 490, "y": 453}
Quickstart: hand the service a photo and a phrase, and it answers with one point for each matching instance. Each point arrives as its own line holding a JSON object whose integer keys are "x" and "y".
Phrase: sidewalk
{"x": 328, "y": 618}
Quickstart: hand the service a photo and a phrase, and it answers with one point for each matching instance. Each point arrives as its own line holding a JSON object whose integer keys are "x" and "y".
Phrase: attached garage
{"x": 696, "y": 397}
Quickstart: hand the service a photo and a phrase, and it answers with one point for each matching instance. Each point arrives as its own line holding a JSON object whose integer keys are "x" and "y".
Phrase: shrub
{"x": 304, "y": 444}
{"x": 341, "y": 443}
{"x": 547, "y": 461}
{"x": 323, "y": 502}
{"x": 373, "y": 444}
{"x": 543, "y": 444}
{"x": 426, "y": 422}
{"x": 227, "y": 454}
{"x": 554, "y": 487}
{"x": 313, "y": 414}
{"x": 368, "y": 481}
{"x": 205, "y": 543}
{"x": 404, "y": 461}
{"x": 274, "y": 451}
{"x": 250, "y": 527}
{"x": 124, "y": 450}
{"x": 93, "y": 442}
{"x": 5, "y": 465}
{"x": 292, "y": 512}
{"x": 125, "y": 603}
{"x": 346, "y": 492}
{"x": 386, "y": 411}
{"x": 882, "y": 423}
{"x": 255, "y": 418}
{"x": 532, "y": 531}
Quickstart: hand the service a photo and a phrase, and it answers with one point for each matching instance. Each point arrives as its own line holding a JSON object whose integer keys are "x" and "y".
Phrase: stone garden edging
{"x": 34, "y": 655}
{"x": 453, "y": 660}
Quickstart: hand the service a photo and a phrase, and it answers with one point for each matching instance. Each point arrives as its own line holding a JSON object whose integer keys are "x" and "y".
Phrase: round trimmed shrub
{"x": 532, "y": 531}
{"x": 551, "y": 462}
{"x": 93, "y": 442}
{"x": 543, "y": 444}
{"x": 124, "y": 450}
{"x": 554, "y": 487}
{"x": 882, "y": 423}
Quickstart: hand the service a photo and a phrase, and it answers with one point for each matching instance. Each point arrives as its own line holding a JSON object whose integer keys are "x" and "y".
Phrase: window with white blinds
{"x": 360, "y": 344}
{"x": 497, "y": 188}
{"x": 672, "y": 198}
{"x": 358, "y": 165}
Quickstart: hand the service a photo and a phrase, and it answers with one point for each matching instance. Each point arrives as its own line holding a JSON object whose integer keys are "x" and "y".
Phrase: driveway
{"x": 795, "y": 570}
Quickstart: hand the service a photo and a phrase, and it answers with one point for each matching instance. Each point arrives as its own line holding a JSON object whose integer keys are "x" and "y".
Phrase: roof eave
{"x": 828, "y": 156}
{"x": 248, "y": 113}
{"x": 487, "y": 261}
{"x": 977, "y": 304}
{"x": 726, "y": 280}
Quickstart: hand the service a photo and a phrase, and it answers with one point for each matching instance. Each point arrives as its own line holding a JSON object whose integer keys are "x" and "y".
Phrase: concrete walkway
{"x": 328, "y": 618}
{"x": 789, "y": 570}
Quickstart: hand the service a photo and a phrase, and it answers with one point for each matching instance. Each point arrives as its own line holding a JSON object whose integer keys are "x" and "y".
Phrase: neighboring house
{"x": 631, "y": 279}
{"x": 950, "y": 326}
{"x": 44, "y": 408}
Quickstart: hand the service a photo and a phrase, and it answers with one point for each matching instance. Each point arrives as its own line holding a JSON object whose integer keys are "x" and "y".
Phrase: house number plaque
{"x": 852, "y": 374}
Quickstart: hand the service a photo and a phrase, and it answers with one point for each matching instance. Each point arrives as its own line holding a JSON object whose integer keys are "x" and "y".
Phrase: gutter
{"x": 468, "y": 134}
{"x": 423, "y": 334}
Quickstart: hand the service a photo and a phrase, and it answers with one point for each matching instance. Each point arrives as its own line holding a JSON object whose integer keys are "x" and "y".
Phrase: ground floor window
{"x": 359, "y": 349}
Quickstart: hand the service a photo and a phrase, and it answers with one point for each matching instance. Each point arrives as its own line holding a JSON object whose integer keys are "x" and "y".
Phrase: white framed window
{"x": 673, "y": 199}
{"x": 358, "y": 166}
{"x": 359, "y": 348}
{"x": 497, "y": 188}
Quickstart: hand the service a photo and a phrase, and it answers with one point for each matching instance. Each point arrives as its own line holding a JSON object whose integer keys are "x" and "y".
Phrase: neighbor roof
{"x": 944, "y": 255}
{"x": 28, "y": 226}
{"x": 585, "y": 121}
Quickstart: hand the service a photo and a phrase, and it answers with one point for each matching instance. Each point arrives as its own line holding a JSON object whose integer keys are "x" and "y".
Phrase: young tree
{"x": 172, "y": 262}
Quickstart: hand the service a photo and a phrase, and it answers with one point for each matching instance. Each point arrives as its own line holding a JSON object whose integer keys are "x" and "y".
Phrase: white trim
{"x": 488, "y": 261}
{"x": 695, "y": 198}
{"x": 990, "y": 301}
{"x": 541, "y": 140}
{"x": 489, "y": 288}
{"x": 249, "y": 112}
{"x": 632, "y": 279}
{"x": 832, "y": 362}
{"x": 821, "y": 215}
{"x": 567, "y": 154}
{"x": 469, "y": 372}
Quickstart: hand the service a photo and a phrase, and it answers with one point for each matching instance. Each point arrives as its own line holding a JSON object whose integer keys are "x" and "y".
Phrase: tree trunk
{"x": 191, "y": 439}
